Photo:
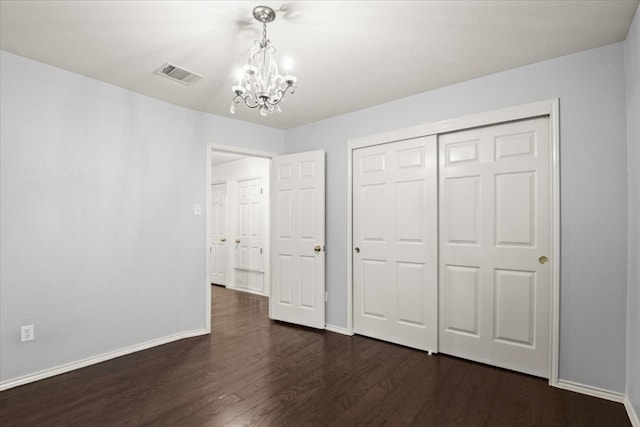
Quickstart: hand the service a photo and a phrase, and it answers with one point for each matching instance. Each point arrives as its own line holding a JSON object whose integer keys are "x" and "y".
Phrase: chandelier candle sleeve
{"x": 260, "y": 85}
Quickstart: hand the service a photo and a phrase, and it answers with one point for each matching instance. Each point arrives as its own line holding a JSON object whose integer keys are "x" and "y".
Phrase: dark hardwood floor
{"x": 253, "y": 371}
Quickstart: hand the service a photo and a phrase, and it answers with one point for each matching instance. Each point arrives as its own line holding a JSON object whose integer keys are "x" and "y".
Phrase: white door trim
{"x": 211, "y": 148}
{"x": 550, "y": 108}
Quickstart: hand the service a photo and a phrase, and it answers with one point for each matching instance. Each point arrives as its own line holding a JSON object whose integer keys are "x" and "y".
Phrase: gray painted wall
{"x": 632, "y": 62}
{"x": 591, "y": 88}
{"x": 100, "y": 248}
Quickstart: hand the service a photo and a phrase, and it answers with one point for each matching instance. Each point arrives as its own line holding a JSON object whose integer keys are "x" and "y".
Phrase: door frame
{"x": 550, "y": 108}
{"x": 217, "y": 148}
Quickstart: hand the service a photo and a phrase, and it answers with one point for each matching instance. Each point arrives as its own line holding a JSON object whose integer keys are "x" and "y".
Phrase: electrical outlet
{"x": 27, "y": 333}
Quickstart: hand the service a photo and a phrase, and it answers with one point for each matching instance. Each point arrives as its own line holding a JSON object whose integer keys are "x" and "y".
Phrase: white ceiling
{"x": 348, "y": 55}
{"x": 221, "y": 157}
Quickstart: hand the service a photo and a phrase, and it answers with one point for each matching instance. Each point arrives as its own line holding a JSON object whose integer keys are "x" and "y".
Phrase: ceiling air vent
{"x": 178, "y": 74}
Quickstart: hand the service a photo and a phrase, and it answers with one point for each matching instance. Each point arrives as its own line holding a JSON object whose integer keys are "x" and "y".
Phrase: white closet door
{"x": 249, "y": 263}
{"x": 298, "y": 225}
{"x": 218, "y": 248}
{"x": 494, "y": 226}
{"x": 395, "y": 242}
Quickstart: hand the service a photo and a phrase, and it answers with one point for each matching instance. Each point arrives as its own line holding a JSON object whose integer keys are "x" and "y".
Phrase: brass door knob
{"x": 543, "y": 259}
{"x": 223, "y": 239}
{"x": 317, "y": 248}
{"x": 357, "y": 250}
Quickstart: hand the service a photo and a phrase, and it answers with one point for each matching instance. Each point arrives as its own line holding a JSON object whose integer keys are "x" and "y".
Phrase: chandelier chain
{"x": 264, "y": 33}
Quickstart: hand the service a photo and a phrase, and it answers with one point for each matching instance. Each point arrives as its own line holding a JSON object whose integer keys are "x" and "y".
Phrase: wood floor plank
{"x": 257, "y": 372}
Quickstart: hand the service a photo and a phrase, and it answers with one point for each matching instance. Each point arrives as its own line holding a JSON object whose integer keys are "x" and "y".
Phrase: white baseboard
{"x": 248, "y": 291}
{"x": 67, "y": 367}
{"x": 591, "y": 391}
{"x": 631, "y": 411}
{"x": 338, "y": 329}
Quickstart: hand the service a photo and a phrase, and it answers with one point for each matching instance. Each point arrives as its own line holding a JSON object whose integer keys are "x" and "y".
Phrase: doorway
{"x": 518, "y": 328}
{"x": 296, "y": 290}
{"x": 237, "y": 220}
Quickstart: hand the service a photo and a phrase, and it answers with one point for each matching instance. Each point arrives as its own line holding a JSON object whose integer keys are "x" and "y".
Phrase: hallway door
{"x": 249, "y": 264}
{"x": 218, "y": 230}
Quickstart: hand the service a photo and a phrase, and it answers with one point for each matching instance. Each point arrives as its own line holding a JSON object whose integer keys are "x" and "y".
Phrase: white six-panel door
{"x": 395, "y": 242}
{"x": 298, "y": 227}
{"x": 494, "y": 228}
{"x": 218, "y": 230}
{"x": 249, "y": 265}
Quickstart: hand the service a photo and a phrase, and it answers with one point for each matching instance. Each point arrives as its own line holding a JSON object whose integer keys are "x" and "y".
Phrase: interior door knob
{"x": 223, "y": 239}
{"x": 543, "y": 259}
{"x": 237, "y": 240}
{"x": 317, "y": 248}
{"x": 357, "y": 250}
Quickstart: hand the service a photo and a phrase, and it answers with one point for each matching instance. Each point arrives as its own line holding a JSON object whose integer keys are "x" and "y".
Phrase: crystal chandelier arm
{"x": 281, "y": 93}
{"x": 248, "y": 100}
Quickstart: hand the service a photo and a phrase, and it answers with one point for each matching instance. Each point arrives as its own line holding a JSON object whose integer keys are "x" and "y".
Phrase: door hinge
{"x": 261, "y": 191}
{"x": 260, "y": 250}
{"x": 326, "y": 296}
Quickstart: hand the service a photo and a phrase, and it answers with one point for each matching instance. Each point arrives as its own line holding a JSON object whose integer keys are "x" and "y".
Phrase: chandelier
{"x": 259, "y": 83}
